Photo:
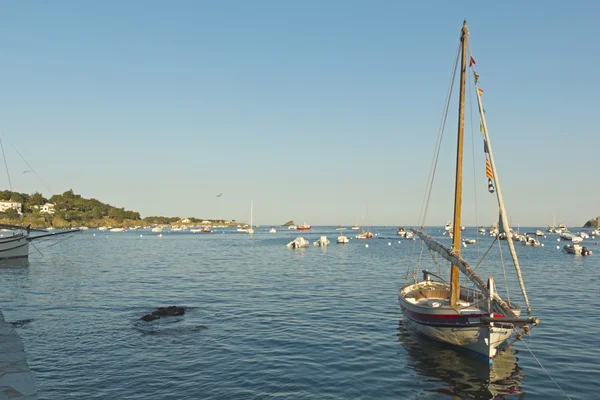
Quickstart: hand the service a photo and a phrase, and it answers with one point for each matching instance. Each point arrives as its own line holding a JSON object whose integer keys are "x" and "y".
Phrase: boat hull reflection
{"x": 461, "y": 373}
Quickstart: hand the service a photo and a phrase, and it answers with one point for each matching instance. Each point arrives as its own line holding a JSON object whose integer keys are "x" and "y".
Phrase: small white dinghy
{"x": 469, "y": 241}
{"x": 323, "y": 241}
{"x": 531, "y": 241}
{"x": 298, "y": 243}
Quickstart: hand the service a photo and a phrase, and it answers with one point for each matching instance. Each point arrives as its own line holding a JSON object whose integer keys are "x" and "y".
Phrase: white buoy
{"x": 542, "y": 244}
{"x": 399, "y": 242}
{"x": 558, "y": 240}
{"x": 141, "y": 235}
{"x": 160, "y": 235}
{"x": 557, "y": 247}
{"x": 389, "y": 243}
{"x": 367, "y": 246}
{"x": 94, "y": 234}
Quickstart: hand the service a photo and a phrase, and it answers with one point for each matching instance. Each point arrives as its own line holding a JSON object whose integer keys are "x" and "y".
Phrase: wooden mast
{"x": 454, "y": 284}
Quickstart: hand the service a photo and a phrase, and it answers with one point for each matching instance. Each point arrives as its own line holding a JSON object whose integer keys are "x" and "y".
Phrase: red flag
{"x": 472, "y": 62}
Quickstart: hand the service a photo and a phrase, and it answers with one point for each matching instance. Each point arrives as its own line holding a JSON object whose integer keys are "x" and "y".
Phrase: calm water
{"x": 268, "y": 322}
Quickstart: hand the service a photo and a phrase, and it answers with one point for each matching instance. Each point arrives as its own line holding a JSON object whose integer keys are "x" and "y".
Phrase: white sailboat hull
{"x": 481, "y": 340}
{"x": 426, "y": 310}
{"x": 14, "y": 247}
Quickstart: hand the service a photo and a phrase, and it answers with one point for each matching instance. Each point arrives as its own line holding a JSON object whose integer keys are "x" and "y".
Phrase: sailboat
{"x": 475, "y": 319}
{"x": 250, "y": 230}
{"x": 364, "y": 234}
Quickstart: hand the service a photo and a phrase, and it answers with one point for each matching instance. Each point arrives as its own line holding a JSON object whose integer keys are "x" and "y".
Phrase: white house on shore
{"x": 47, "y": 208}
{"x": 8, "y": 204}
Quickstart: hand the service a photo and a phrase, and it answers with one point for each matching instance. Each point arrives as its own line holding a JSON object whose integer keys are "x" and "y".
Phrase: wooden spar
{"x": 503, "y": 219}
{"x": 32, "y": 238}
{"x": 465, "y": 268}
{"x": 454, "y": 283}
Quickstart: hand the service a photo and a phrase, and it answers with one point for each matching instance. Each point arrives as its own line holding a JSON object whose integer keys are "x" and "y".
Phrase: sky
{"x": 323, "y": 112}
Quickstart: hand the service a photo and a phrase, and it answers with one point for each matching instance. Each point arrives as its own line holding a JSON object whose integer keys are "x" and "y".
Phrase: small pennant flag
{"x": 476, "y": 77}
{"x": 482, "y": 131}
{"x": 479, "y": 91}
{"x": 472, "y": 62}
{"x": 485, "y": 148}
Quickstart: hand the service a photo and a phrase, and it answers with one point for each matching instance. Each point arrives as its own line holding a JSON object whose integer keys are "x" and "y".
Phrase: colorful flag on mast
{"x": 488, "y": 173}
{"x": 488, "y": 169}
{"x": 476, "y": 77}
{"x": 472, "y": 62}
{"x": 479, "y": 91}
{"x": 481, "y": 128}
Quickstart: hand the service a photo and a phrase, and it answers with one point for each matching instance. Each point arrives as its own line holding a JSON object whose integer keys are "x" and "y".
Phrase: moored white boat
{"x": 272, "y": 230}
{"x": 298, "y": 243}
{"x": 118, "y": 230}
{"x": 304, "y": 227}
{"x": 157, "y": 229}
{"x": 539, "y": 232}
{"x": 323, "y": 241}
{"x": 469, "y": 241}
{"x": 577, "y": 249}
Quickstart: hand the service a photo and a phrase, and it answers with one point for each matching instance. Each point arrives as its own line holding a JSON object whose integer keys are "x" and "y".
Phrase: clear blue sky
{"x": 316, "y": 110}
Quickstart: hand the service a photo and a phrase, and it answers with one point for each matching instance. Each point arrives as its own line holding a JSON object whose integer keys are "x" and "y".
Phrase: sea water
{"x": 265, "y": 321}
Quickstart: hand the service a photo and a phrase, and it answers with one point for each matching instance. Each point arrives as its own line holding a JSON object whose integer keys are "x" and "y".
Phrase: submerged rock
{"x": 21, "y": 322}
{"x": 170, "y": 311}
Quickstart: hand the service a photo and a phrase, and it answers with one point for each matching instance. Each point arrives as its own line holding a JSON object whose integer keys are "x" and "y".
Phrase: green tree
{"x": 37, "y": 199}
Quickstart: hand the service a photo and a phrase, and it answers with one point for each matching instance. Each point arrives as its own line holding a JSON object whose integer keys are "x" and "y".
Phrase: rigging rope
{"x": 473, "y": 155}
{"x": 24, "y": 160}
{"x": 6, "y": 165}
{"x": 438, "y": 145}
{"x": 504, "y": 269}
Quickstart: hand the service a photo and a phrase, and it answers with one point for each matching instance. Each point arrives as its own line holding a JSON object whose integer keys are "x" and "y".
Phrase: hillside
{"x": 592, "y": 223}
{"x": 73, "y": 210}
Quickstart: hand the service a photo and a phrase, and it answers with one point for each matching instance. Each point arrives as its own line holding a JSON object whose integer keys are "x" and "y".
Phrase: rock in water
{"x": 171, "y": 311}
{"x": 149, "y": 317}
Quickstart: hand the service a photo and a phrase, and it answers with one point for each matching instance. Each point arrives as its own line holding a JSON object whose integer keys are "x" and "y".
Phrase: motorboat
{"x": 342, "y": 239}
{"x": 584, "y": 235}
{"x": 157, "y": 229}
{"x": 118, "y": 230}
{"x": 292, "y": 227}
{"x": 206, "y": 229}
{"x": 298, "y": 243}
{"x": 481, "y": 229}
{"x": 304, "y": 227}
{"x": 355, "y": 227}
{"x": 577, "y": 249}
{"x": 539, "y": 232}
{"x": 469, "y": 241}
{"x": 404, "y": 233}
{"x": 323, "y": 241}
{"x": 272, "y": 230}
{"x": 531, "y": 241}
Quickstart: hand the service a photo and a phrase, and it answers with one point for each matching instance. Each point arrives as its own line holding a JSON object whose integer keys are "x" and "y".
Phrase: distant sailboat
{"x": 250, "y": 230}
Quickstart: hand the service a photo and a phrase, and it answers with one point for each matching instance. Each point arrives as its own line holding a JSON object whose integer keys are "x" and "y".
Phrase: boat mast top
{"x": 454, "y": 282}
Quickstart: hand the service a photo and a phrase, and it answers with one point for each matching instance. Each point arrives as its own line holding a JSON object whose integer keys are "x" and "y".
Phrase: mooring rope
{"x": 545, "y": 370}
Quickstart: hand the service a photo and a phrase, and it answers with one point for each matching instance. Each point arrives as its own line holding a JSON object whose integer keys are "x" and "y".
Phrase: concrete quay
{"x": 16, "y": 380}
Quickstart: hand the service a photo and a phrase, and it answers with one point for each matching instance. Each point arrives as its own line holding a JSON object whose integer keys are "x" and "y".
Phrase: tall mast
{"x": 454, "y": 284}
